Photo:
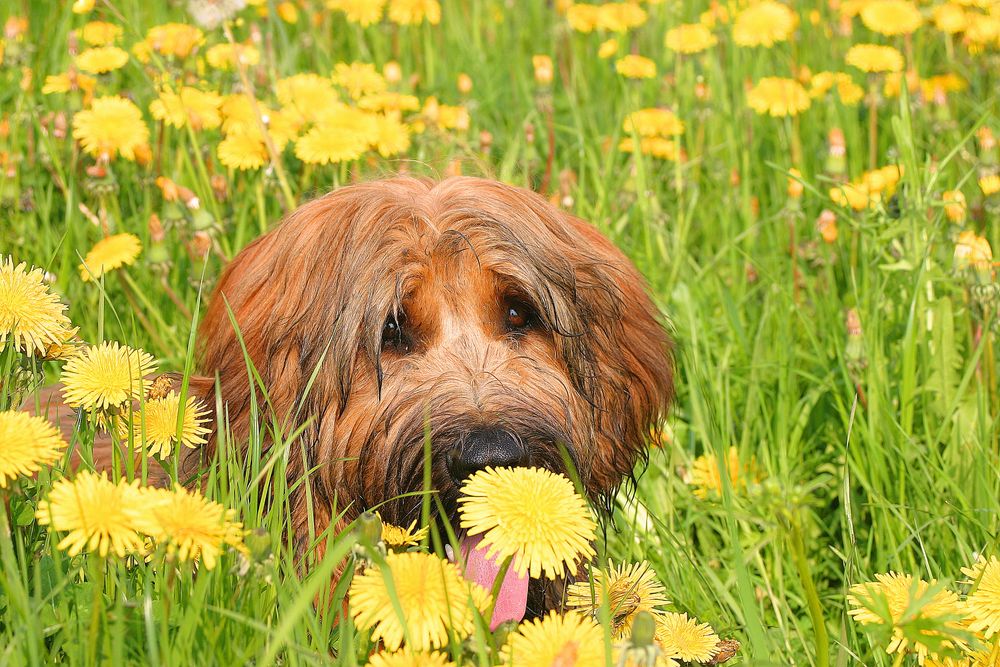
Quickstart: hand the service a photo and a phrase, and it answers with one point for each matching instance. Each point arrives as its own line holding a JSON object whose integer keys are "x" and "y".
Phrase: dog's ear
{"x": 633, "y": 360}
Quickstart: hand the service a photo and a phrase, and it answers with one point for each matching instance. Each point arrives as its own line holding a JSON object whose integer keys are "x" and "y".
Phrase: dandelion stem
{"x": 873, "y": 121}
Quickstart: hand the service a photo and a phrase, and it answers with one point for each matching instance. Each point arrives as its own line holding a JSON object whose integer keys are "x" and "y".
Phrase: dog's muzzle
{"x": 486, "y": 447}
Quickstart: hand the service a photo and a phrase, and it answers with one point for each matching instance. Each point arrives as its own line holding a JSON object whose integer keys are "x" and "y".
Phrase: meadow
{"x": 811, "y": 190}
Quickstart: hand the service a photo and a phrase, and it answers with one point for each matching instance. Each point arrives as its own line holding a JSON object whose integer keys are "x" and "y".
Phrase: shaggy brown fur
{"x": 589, "y": 369}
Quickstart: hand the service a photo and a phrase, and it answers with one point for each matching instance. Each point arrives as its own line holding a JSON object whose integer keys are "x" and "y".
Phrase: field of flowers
{"x": 811, "y": 189}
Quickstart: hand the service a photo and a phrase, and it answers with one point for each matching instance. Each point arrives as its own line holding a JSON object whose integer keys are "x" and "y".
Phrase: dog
{"x": 475, "y": 312}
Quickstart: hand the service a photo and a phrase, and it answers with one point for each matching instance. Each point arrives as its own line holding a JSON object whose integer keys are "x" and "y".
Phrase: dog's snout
{"x": 485, "y": 448}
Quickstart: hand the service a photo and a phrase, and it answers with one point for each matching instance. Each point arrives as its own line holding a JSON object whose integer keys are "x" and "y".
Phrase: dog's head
{"x": 469, "y": 311}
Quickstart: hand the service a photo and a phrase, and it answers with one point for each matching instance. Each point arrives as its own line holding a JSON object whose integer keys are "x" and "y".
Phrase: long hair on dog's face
{"x": 468, "y": 310}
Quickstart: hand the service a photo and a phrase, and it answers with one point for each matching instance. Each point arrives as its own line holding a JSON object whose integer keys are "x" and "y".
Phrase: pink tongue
{"x": 512, "y": 601}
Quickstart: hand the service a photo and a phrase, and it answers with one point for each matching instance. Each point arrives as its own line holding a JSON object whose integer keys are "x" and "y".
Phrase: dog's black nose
{"x": 485, "y": 448}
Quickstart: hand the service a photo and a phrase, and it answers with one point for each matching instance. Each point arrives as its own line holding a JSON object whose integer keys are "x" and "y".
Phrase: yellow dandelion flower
{"x": 653, "y": 122}
{"x": 530, "y": 514}
{"x": 362, "y": 12}
{"x": 658, "y": 147}
{"x": 101, "y": 59}
{"x": 397, "y": 537}
{"x": 111, "y": 125}
{"x": 66, "y": 346}
{"x": 950, "y": 18}
{"x": 393, "y": 136}
{"x": 569, "y": 639}
{"x": 706, "y": 478}
{"x": 891, "y": 17}
{"x": 778, "y": 97}
{"x": 450, "y": 117}
{"x": 306, "y": 94}
{"x": 854, "y": 195}
{"x": 582, "y": 17}
{"x": 228, "y": 56}
{"x": 109, "y": 254}
{"x": 389, "y": 101}
{"x": 972, "y": 250}
{"x": 358, "y": 79}
{"x": 105, "y": 376}
{"x": 690, "y": 38}
{"x": 97, "y": 514}
{"x": 178, "y": 40}
{"x": 607, "y": 49}
{"x": 100, "y": 33}
{"x": 685, "y": 638}
{"x": 31, "y": 316}
{"x": 191, "y": 105}
{"x": 239, "y": 117}
{"x": 412, "y": 12}
{"x": 635, "y": 67}
{"x": 620, "y": 16}
{"x": 764, "y": 24}
{"x": 628, "y": 589}
{"x": 432, "y": 594}
{"x": 27, "y": 443}
{"x": 874, "y": 58}
{"x": 242, "y": 151}
{"x": 356, "y": 122}
{"x": 159, "y": 419}
{"x": 954, "y": 206}
{"x": 989, "y": 184}
{"x": 899, "y": 590}
{"x": 83, "y": 6}
{"x": 323, "y": 145}
{"x": 67, "y": 82}
{"x": 849, "y": 92}
{"x": 982, "y": 607}
{"x": 407, "y": 658}
{"x": 192, "y": 526}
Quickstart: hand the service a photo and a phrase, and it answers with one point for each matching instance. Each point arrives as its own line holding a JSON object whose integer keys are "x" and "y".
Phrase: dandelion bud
{"x": 643, "y": 629}
{"x": 392, "y": 72}
{"x": 464, "y": 83}
{"x": 59, "y": 125}
{"x": 529, "y": 133}
{"x": 701, "y": 91}
{"x": 485, "y": 142}
{"x": 258, "y": 543}
{"x": 987, "y": 142}
{"x": 143, "y": 155}
{"x": 795, "y": 186}
{"x": 954, "y": 206}
{"x": 734, "y": 178}
{"x": 726, "y": 650}
{"x": 544, "y": 71}
{"x": 200, "y": 245}
{"x": 155, "y": 227}
{"x": 368, "y": 529}
{"x": 826, "y": 225}
{"x": 836, "y": 159}
{"x": 220, "y": 188}
{"x": 454, "y": 168}
{"x": 168, "y": 189}
{"x": 854, "y": 351}
{"x": 83, "y": 6}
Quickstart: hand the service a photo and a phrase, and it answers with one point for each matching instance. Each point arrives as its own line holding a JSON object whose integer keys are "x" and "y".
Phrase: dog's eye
{"x": 519, "y": 315}
{"x": 394, "y": 335}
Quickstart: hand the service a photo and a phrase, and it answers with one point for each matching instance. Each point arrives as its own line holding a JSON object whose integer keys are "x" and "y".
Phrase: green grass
{"x": 903, "y": 476}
